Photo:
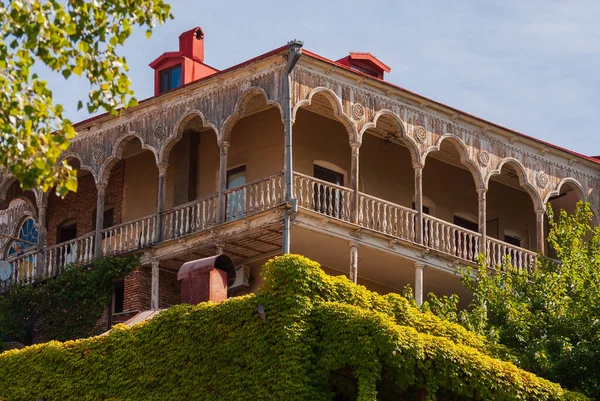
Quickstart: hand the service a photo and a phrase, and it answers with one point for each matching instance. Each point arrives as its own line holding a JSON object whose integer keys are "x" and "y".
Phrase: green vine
{"x": 64, "y": 307}
{"x": 304, "y": 336}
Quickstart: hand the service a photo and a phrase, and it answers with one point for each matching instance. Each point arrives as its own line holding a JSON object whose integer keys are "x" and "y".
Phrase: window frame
{"x": 167, "y": 73}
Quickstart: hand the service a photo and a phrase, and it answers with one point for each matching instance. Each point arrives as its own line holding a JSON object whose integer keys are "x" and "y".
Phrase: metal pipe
{"x": 295, "y": 51}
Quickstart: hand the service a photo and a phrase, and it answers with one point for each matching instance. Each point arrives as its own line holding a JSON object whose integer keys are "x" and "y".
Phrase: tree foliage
{"x": 550, "y": 318}
{"x": 304, "y": 336}
{"x": 69, "y": 37}
{"x": 64, "y": 307}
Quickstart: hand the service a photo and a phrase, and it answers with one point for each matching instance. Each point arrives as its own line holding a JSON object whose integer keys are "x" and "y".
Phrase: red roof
{"x": 371, "y": 58}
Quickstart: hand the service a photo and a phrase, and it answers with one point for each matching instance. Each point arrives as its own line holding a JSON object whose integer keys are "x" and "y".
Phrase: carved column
{"x": 222, "y": 207}
{"x": 155, "y": 284}
{"x": 419, "y": 283}
{"x": 160, "y": 204}
{"x": 40, "y": 271}
{"x": 419, "y": 202}
{"x": 353, "y": 261}
{"x": 354, "y": 181}
{"x": 101, "y": 188}
{"x": 540, "y": 235}
{"x": 482, "y": 219}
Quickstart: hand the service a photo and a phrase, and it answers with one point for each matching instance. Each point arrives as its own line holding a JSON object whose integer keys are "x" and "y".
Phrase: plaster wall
{"x": 140, "y": 189}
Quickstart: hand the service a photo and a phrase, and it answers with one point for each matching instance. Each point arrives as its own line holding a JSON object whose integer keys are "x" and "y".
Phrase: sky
{"x": 529, "y": 65}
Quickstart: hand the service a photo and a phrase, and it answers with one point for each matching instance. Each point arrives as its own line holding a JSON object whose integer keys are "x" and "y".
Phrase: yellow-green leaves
{"x": 73, "y": 37}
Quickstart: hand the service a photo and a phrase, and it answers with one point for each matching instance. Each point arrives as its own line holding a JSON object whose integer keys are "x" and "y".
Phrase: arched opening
{"x": 193, "y": 159}
{"x": 12, "y": 190}
{"x": 256, "y": 149}
{"x": 564, "y": 200}
{"x": 322, "y": 158}
{"x": 450, "y": 181}
{"x": 72, "y": 216}
{"x": 510, "y": 208}
{"x": 132, "y": 186}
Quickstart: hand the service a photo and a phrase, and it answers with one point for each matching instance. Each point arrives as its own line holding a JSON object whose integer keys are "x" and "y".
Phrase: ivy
{"x": 304, "y": 336}
{"x": 64, "y": 307}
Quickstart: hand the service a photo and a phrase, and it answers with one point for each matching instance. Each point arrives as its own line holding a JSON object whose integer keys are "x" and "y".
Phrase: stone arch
{"x": 523, "y": 181}
{"x": 76, "y": 156}
{"x": 577, "y": 187}
{"x": 117, "y": 155}
{"x": 463, "y": 153}
{"x": 403, "y": 136}
{"x": 241, "y": 110}
{"x": 7, "y": 184}
{"x": 178, "y": 129}
{"x": 338, "y": 110}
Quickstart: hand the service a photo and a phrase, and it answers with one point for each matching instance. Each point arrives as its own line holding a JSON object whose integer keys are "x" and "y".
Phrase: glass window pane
{"x": 175, "y": 77}
{"x": 236, "y": 178}
{"x": 164, "y": 81}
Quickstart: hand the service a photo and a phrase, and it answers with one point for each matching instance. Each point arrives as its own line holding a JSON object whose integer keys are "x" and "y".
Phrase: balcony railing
{"x": 322, "y": 197}
{"x": 450, "y": 239}
{"x": 388, "y": 218}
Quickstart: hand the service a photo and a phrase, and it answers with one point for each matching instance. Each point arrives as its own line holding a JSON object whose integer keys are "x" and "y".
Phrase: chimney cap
{"x": 221, "y": 262}
{"x": 196, "y": 31}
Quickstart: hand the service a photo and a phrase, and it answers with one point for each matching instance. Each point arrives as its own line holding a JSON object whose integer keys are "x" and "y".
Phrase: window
{"x": 328, "y": 200}
{"x": 170, "y": 78}
{"x": 108, "y": 221}
{"x": 119, "y": 296}
{"x": 458, "y": 241}
{"x": 28, "y": 238}
{"x": 66, "y": 231}
{"x": 513, "y": 240}
{"x": 236, "y": 178}
{"x": 426, "y": 209}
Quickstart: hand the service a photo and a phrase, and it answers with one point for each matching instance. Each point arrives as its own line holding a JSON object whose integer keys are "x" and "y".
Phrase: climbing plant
{"x": 304, "y": 336}
{"x": 548, "y": 318}
{"x": 64, "y": 307}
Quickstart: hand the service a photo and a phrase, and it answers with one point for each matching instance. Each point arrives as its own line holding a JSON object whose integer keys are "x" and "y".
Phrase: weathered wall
{"x": 257, "y": 141}
{"x": 140, "y": 188}
{"x": 208, "y": 165}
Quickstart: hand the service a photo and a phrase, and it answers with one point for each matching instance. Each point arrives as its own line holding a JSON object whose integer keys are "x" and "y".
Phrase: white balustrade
{"x": 449, "y": 238}
{"x": 254, "y": 197}
{"x": 520, "y": 258}
{"x": 77, "y": 251}
{"x": 23, "y": 267}
{"x": 190, "y": 218}
{"x": 386, "y": 217}
{"x": 322, "y": 197}
{"x": 129, "y": 236}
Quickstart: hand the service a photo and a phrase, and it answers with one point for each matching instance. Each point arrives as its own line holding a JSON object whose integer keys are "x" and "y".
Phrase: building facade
{"x": 292, "y": 152}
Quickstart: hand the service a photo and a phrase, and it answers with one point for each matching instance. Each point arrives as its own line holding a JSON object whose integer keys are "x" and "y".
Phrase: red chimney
{"x": 174, "y": 69}
{"x": 191, "y": 44}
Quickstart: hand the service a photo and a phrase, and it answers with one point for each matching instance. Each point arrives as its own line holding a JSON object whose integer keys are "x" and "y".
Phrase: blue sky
{"x": 530, "y": 65}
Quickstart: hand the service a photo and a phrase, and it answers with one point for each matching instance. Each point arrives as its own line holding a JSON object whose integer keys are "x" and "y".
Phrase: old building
{"x": 292, "y": 152}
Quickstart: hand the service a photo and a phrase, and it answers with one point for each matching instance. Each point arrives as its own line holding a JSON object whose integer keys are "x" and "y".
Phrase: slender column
{"x": 99, "y": 220}
{"x": 40, "y": 271}
{"x": 419, "y": 283}
{"x": 419, "y": 202}
{"x": 222, "y": 207}
{"x": 354, "y": 178}
{"x": 540, "y": 235}
{"x": 155, "y": 283}
{"x": 160, "y": 204}
{"x": 482, "y": 219}
{"x": 353, "y": 261}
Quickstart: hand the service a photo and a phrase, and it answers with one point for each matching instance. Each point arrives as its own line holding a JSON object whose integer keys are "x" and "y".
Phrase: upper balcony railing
{"x": 322, "y": 197}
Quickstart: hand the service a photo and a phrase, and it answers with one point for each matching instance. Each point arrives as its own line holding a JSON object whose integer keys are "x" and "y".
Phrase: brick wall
{"x": 169, "y": 289}
{"x": 80, "y": 206}
{"x": 138, "y": 286}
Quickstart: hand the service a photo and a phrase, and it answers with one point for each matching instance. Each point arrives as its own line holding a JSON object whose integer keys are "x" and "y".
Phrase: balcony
{"x": 314, "y": 196}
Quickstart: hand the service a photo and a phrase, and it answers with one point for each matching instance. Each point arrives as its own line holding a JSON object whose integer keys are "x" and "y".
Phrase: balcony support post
{"x": 155, "y": 284}
{"x": 101, "y": 188}
{"x": 40, "y": 270}
{"x": 222, "y": 201}
{"x": 419, "y": 202}
{"x": 160, "y": 202}
{"x": 419, "y": 283}
{"x": 353, "y": 261}
{"x": 354, "y": 178}
{"x": 482, "y": 220}
{"x": 540, "y": 235}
